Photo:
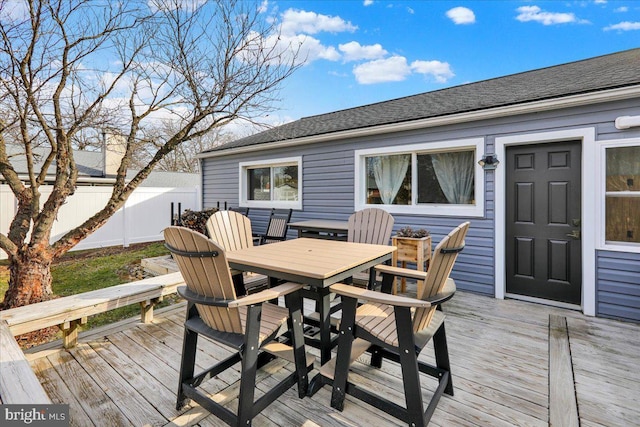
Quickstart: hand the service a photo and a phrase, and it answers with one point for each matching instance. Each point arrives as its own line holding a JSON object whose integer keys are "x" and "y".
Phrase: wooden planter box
{"x": 411, "y": 249}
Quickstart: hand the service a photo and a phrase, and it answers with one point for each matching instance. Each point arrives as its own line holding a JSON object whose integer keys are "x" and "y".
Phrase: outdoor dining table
{"x": 314, "y": 262}
{"x": 321, "y": 229}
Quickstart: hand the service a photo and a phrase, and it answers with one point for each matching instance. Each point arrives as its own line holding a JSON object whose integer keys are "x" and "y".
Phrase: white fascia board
{"x": 618, "y": 94}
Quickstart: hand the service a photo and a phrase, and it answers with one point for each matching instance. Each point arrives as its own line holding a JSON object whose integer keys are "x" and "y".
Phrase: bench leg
{"x": 70, "y": 331}
{"x": 146, "y": 309}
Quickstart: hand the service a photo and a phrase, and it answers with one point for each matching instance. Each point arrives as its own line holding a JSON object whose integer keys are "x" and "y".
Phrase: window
{"x": 438, "y": 178}
{"x": 273, "y": 184}
{"x": 622, "y": 194}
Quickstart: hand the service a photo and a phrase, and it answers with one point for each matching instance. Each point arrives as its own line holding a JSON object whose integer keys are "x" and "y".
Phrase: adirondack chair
{"x": 243, "y": 211}
{"x": 398, "y": 328}
{"x": 371, "y": 225}
{"x": 277, "y": 227}
{"x": 232, "y": 231}
{"x": 248, "y": 325}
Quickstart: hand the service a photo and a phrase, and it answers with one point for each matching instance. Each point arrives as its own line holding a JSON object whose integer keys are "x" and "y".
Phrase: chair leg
{"x": 345, "y": 342}
{"x": 442, "y": 356}
{"x": 249, "y": 366}
{"x": 409, "y": 365}
{"x": 187, "y": 364}
{"x": 294, "y": 302}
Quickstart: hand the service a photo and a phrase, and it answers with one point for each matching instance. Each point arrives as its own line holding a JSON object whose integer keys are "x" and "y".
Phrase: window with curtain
{"x": 271, "y": 184}
{"x": 622, "y": 194}
{"x": 442, "y": 178}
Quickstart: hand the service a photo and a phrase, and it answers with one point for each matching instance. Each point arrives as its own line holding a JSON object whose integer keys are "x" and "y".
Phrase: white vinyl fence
{"x": 143, "y": 217}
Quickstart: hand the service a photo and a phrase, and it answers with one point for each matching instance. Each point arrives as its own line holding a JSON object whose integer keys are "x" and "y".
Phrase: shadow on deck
{"x": 501, "y": 353}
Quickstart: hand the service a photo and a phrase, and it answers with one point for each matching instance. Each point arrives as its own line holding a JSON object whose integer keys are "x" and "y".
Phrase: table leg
{"x": 323, "y": 306}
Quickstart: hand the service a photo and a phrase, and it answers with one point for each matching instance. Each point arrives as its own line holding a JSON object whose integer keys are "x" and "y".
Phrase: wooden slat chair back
{"x": 371, "y": 225}
{"x": 231, "y": 230}
{"x": 206, "y": 275}
{"x": 277, "y": 227}
{"x": 444, "y": 257}
{"x": 249, "y": 325}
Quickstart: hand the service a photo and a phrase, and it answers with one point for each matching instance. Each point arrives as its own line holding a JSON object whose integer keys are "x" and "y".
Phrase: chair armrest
{"x": 440, "y": 298}
{"x": 401, "y": 272}
{"x": 266, "y": 295}
{"x": 194, "y": 297}
{"x": 379, "y": 297}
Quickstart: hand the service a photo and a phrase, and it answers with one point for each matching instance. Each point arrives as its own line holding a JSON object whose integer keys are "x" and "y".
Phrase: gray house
{"x": 545, "y": 164}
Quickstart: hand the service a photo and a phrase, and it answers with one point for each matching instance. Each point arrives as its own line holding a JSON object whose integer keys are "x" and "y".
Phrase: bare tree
{"x": 182, "y": 158}
{"x": 69, "y": 66}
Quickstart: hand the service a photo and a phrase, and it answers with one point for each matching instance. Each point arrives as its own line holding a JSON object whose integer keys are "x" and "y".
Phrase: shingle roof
{"x": 590, "y": 75}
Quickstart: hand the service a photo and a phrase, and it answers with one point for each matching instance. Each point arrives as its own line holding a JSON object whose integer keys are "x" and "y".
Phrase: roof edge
{"x": 608, "y": 95}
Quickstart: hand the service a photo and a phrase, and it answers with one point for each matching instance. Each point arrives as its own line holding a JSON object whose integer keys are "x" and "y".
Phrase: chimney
{"x": 113, "y": 150}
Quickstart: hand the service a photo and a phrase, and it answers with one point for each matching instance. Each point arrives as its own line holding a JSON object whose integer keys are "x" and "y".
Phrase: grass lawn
{"x": 84, "y": 271}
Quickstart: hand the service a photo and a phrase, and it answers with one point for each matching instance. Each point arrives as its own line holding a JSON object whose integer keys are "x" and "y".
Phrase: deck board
{"x": 499, "y": 353}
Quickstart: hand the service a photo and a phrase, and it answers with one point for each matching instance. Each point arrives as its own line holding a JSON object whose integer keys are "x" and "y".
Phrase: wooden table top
{"x": 311, "y": 261}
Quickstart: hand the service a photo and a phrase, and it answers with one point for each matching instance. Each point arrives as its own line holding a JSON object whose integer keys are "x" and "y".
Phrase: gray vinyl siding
{"x": 618, "y": 285}
{"x": 328, "y": 178}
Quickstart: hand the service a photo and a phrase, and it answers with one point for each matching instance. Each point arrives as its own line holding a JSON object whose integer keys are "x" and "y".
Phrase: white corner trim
{"x": 589, "y": 204}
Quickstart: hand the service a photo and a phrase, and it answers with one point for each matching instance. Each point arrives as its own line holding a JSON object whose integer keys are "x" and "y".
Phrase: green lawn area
{"x": 84, "y": 271}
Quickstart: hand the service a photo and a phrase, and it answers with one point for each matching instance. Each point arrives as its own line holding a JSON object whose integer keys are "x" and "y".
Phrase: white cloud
{"x": 14, "y": 11}
{"x": 440, "y": 71}
{"x": 264, "y": 6}
{"x": 534, "y": 13}
{"x": 367, "y": 2}
{"x": 300, "y": 21}
{"x": 394, "y": 69}
{"x": 621, "y": 9}
{"x": 307, "y": 48}
{"x": 354, "y": 51}
{"x": 624, "y": 26}
{"x": 600, "y": 1}
{"x": 461, "y": 15}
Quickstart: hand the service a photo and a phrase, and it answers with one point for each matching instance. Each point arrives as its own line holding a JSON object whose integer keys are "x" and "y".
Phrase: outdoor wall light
{"x": 626, "y": 122}
{"x": 489, "y": 161}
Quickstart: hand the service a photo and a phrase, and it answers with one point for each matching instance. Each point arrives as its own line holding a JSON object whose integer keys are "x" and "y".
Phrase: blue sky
{"x": 363, "y": 51}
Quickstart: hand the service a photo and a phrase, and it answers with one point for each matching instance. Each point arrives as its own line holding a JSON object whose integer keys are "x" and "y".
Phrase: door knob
{"x": 575, "y": 234}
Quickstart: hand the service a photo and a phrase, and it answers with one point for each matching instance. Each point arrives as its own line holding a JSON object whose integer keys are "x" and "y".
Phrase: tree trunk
{"x": 29, "y": 279}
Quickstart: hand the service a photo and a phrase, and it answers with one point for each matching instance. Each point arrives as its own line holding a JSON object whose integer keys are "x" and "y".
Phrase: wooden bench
{"x": 18, "y": 383}
{"x": 70, "y": 312}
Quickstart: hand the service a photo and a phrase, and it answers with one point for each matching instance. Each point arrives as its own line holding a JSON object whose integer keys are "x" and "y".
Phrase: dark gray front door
{"x": 543, "y": 248}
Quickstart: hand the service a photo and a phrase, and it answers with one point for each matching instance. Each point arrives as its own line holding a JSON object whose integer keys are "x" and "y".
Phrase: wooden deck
{"x": 501, "y": 355}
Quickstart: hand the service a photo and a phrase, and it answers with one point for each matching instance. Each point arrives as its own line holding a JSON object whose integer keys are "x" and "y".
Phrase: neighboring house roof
{"x": 168, "y": 179}
{"x": 617, "y": 70}
{"x": 89, "y": 163}
{"x": 90, "y": 166}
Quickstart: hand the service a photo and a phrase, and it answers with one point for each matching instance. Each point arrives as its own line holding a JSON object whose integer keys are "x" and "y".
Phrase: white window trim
{"x": 477, "y": 210}
{"x": 589, "y": 203}
{"x": 271, "y": 163}
{"x": 601, "y": 172}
